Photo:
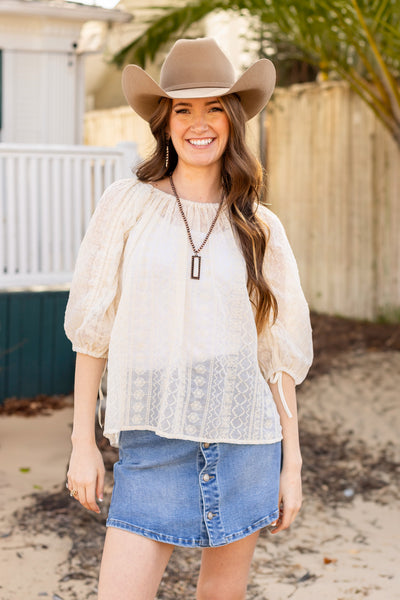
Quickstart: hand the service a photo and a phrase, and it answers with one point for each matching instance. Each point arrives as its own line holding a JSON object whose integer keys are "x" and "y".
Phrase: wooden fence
{"x": 111, "y": 126}
{"x": 334, "y": 179}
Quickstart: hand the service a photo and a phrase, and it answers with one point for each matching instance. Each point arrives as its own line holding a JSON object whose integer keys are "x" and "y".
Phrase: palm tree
{"x": 356, "y": 40}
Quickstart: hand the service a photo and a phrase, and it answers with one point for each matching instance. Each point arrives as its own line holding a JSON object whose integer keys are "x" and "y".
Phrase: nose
{"x": 199, "y": 123}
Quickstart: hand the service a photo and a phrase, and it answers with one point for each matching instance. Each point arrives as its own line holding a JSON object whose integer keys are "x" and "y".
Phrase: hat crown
{"x": 198, "y": 69}
{"x": 195, "y": 64}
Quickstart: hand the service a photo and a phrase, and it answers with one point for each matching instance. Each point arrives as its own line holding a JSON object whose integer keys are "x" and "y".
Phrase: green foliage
{"x": 389, "y": 314}
{"x": 357, "y": 40}
{"x": 174, "y": 23}
{"x": 322, "y": 31}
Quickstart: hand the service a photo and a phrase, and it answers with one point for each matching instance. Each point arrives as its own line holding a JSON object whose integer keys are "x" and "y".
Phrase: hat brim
{"x": 254, "y": 87}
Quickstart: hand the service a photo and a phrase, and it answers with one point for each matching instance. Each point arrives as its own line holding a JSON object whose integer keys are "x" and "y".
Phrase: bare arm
{"x": 290, "y": 495}
{"x": 86, "y": 468}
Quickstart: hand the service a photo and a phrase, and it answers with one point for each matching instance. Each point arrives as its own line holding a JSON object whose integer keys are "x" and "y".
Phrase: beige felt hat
{"x": 198, "y": 69}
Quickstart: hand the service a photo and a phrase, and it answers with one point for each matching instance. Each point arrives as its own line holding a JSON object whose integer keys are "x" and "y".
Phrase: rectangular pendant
{"x": 196, "y": 262}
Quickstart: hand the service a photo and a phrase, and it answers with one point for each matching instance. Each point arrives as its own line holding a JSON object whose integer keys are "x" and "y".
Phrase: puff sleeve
{"x": 285, "y": 346}
{"x": 94, "y": 292}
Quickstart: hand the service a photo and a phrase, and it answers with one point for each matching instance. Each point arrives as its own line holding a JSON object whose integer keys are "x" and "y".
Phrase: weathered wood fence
{"x": 333, "y": 179}
{"x": 110, "y": 126}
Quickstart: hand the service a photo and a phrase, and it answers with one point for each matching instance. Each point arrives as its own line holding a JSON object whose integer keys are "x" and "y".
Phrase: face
{"x": 199, "y": 130}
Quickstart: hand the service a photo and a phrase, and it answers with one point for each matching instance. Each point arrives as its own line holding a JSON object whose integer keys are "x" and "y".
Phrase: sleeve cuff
{"x": 94, "y": 353}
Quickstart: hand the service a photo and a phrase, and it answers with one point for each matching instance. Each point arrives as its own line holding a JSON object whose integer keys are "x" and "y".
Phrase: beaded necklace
{"x": 196, "y": 259}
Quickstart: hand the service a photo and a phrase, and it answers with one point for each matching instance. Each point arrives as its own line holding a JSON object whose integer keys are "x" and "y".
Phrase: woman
{"x": 189, "y": 288}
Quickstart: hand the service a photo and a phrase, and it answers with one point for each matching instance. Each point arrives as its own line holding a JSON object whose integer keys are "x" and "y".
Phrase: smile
{"x": 201, "y": 142}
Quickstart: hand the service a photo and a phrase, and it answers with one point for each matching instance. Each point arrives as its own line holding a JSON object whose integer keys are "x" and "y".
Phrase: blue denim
{"x": 191, "y": 494}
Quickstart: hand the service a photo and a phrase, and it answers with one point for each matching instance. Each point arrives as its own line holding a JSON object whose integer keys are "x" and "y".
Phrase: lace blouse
{"x": 184, "y": 358}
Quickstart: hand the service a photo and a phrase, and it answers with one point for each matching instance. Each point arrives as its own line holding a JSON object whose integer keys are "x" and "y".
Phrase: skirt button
{"x": 206, "y": 445}
{"x": 206, "y": 477}
{"x": 210, "y": 515}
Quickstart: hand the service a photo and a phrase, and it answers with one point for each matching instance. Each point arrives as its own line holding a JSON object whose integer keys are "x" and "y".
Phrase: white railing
{"x": 47, "y": 196}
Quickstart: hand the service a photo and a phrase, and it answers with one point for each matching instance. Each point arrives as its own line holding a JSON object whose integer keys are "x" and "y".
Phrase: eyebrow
{"x": 189, "y": 104}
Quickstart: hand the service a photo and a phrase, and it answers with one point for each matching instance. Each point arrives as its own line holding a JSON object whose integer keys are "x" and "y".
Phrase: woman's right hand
{"x": 86, "y": 474}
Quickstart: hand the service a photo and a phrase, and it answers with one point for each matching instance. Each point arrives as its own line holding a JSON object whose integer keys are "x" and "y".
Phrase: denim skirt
{"x": 193, "y": 494}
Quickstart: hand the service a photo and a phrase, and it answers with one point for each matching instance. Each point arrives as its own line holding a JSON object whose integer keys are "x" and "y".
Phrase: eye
{"x": 217, "y": 109}
{"x": 182, "y": 111}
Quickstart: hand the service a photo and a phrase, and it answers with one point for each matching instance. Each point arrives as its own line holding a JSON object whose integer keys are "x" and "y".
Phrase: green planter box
{"x": 35, "y": 355}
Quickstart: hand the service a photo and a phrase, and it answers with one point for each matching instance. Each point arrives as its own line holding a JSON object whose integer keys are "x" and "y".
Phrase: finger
{"x": 278, "y": 521}
{"x": 283, "y": 524}
{"x": 72, "y": 487}
{"x": 278, "y": 527}
{"x": 286, "y": 519}
{"x": 100, "y": 486}
{"x": 87, "y": 497}
{"x": 81, "y": 497}
{"x": 274, "y": 523}
{"x": 91, "y": 499}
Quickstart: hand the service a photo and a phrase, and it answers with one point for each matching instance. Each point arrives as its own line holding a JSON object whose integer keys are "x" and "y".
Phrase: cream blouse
{"x": 183, "y": 356}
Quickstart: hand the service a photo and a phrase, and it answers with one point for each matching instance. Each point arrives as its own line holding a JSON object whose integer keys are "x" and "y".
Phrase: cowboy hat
{"x": 198, "y": 69}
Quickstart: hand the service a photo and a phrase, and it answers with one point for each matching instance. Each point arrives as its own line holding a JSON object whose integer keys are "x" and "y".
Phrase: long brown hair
{"x": 242, "y": 181}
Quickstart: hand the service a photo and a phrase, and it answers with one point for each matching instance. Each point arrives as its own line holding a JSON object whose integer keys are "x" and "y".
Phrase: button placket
{"x": 210, "y": 494}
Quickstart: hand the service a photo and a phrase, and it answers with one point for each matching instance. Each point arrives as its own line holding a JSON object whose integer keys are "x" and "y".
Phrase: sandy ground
{"x": 344, "y": 545}
{"x": 31, "y": 562}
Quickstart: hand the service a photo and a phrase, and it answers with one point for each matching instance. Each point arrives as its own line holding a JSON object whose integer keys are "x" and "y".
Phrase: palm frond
{"x": 358, "y": 40}
{"x": 173, "y": 23}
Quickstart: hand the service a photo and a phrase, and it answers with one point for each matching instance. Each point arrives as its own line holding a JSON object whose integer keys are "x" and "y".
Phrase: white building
{"x": 49, "y": 183}
{"x": 42, "y": 64}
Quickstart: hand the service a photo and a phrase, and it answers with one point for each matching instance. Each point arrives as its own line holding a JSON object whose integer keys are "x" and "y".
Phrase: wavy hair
{"x": 242, "y": 181}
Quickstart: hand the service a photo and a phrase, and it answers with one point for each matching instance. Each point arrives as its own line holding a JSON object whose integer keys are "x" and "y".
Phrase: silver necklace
{"x": 196, "y": 258}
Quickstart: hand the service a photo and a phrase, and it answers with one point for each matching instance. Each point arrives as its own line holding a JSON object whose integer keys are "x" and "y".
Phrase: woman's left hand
{"x": 290, "y": 497}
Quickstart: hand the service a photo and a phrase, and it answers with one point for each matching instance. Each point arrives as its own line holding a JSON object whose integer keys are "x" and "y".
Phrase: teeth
{"x": 202, "y": 142}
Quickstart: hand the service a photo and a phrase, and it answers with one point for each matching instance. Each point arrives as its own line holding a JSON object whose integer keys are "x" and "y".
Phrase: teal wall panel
{"x": 46, "y": 347}
{"x": 35, "y": 355}
{"x": 3, "y": 342}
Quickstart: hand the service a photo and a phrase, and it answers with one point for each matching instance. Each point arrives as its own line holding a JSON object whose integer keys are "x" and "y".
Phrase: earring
{"x": 166, "y": 153}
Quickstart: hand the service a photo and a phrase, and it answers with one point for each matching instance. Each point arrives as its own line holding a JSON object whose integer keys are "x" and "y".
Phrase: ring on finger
{"x": 73, "y": 493}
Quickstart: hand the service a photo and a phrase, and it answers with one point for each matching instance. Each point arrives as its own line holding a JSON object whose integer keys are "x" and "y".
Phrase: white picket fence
{"x": 47, "y": 196}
